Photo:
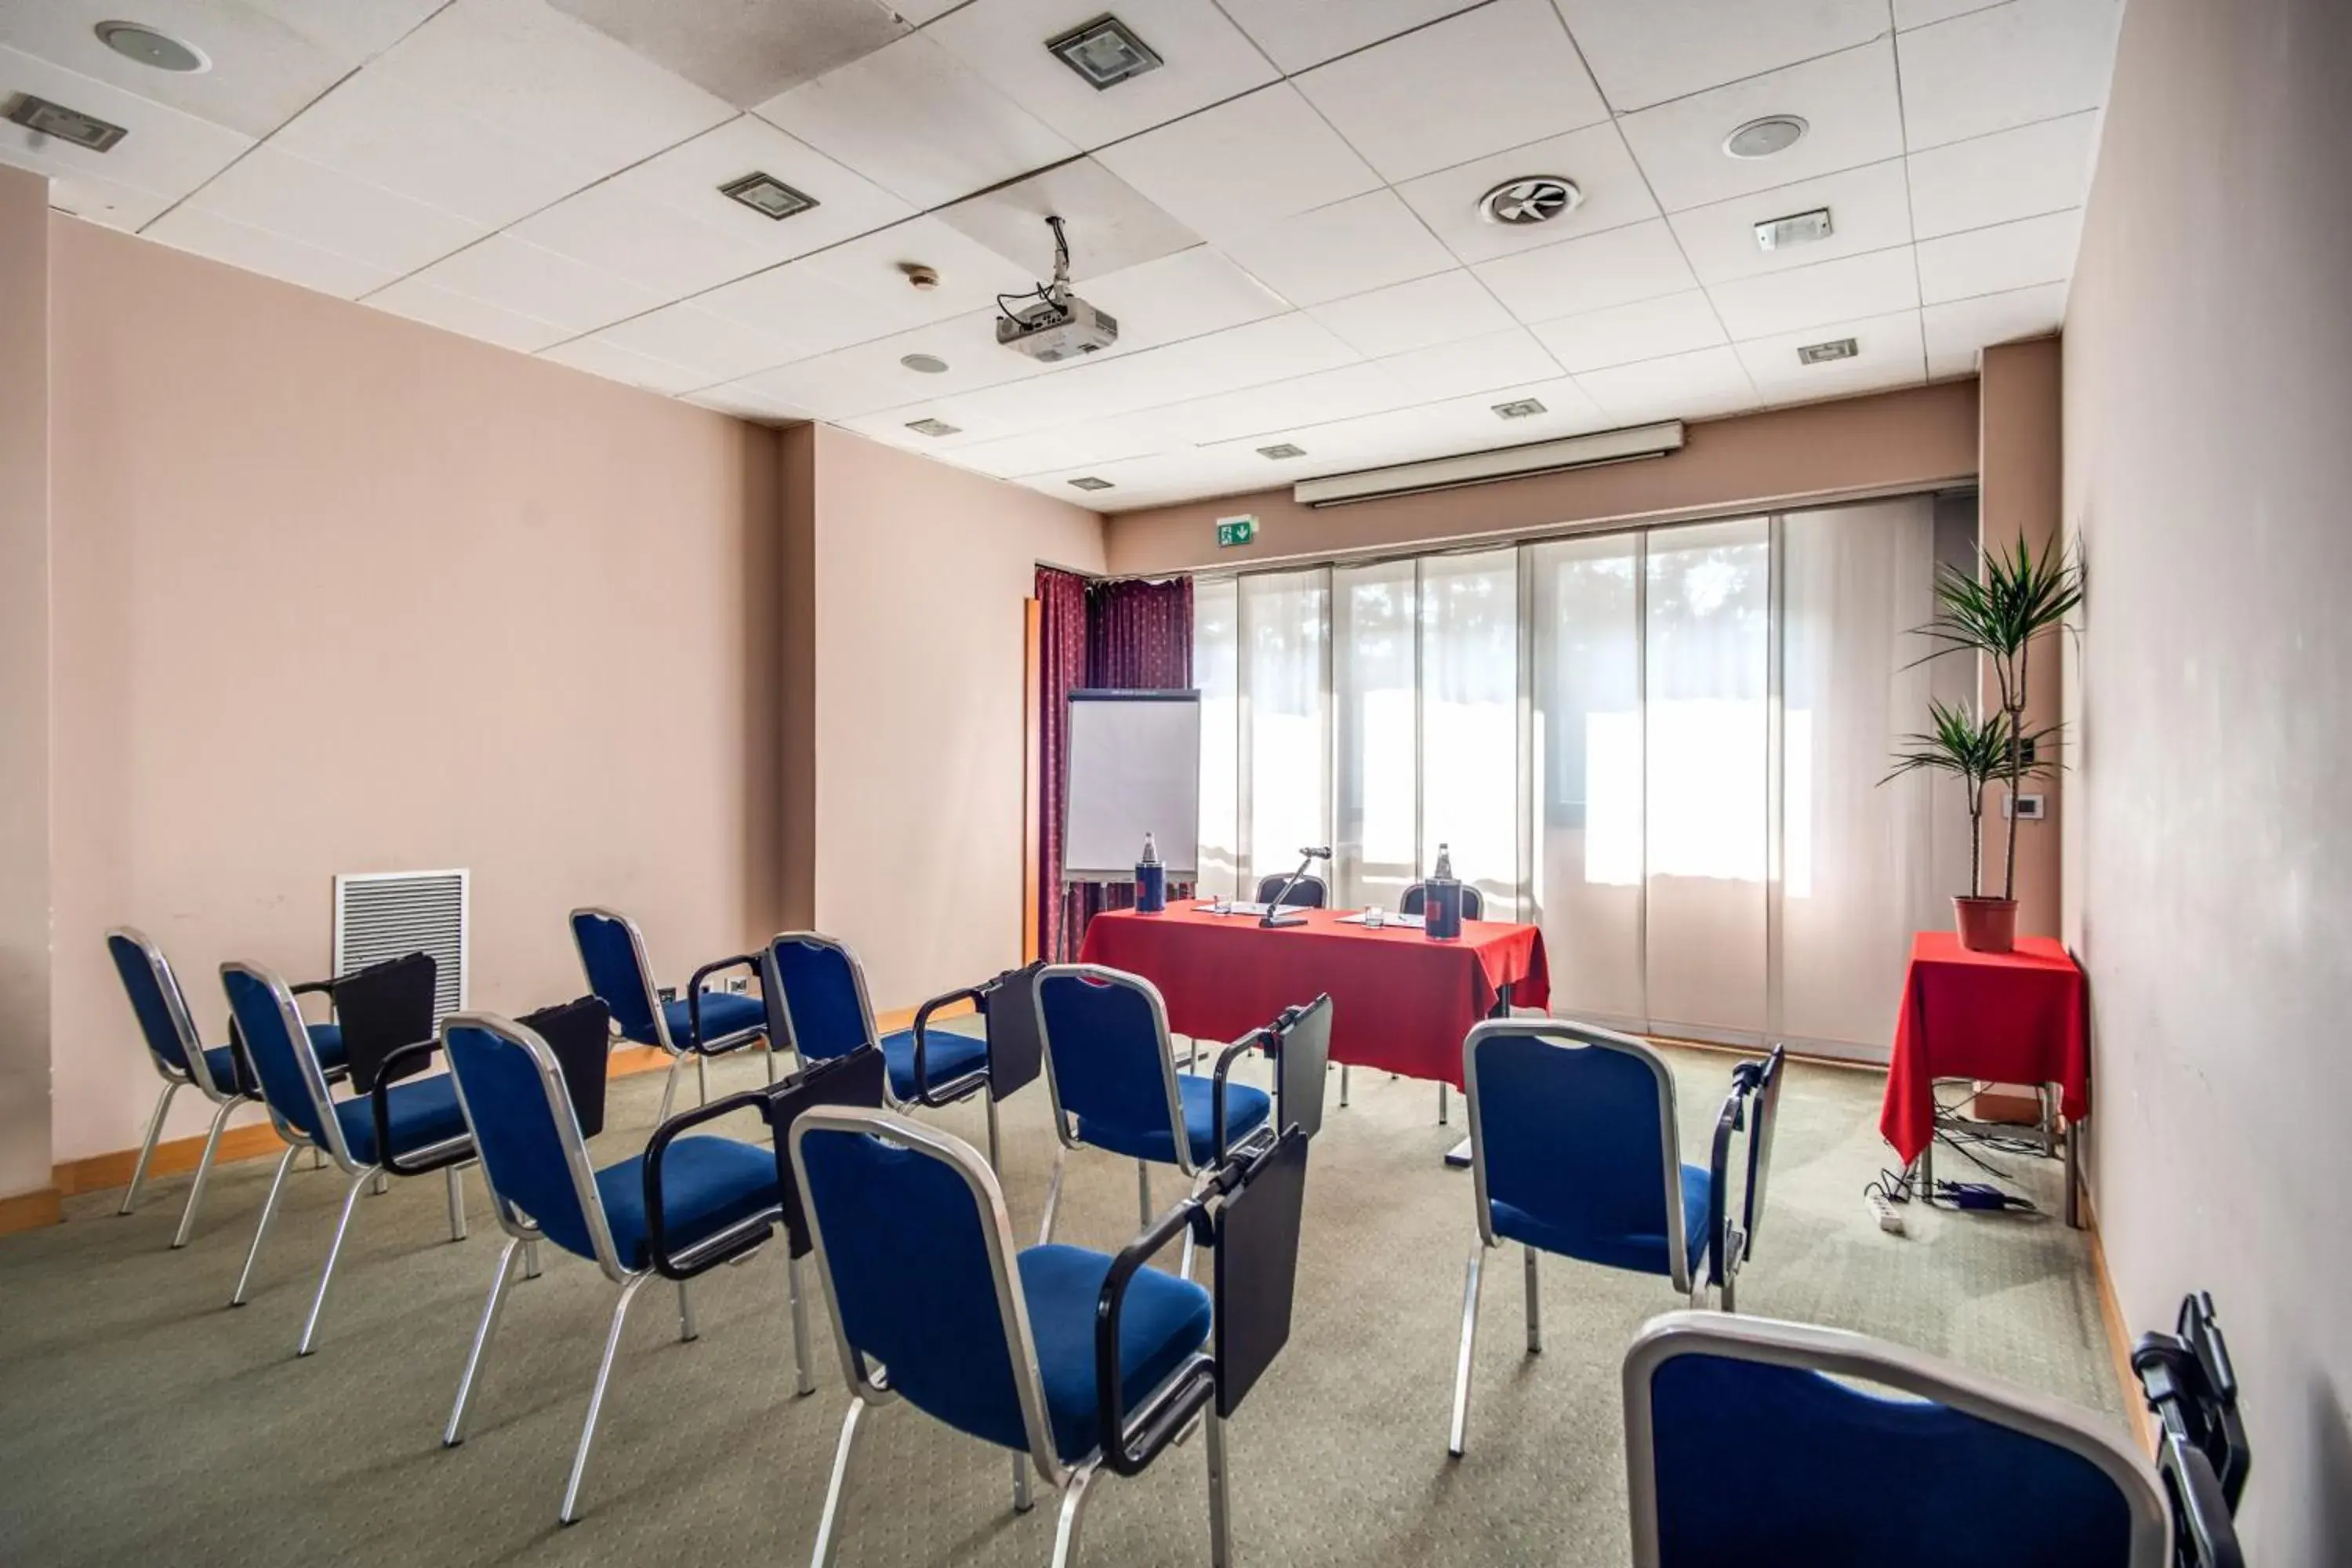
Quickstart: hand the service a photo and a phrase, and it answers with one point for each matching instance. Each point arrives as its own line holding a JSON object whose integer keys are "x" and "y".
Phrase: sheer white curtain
{"x": 1470, "y": 720}
{"x": 1216, "y": 671}
{"x": 1286, "y": 708}
{"x": 1375, "y": 688}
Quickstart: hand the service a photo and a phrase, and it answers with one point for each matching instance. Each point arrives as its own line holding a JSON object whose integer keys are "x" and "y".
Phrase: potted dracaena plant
{"x": 2015, "y": 598}
{"x": 1975, "y": 751}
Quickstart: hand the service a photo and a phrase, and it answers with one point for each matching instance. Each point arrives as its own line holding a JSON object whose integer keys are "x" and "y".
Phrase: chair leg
{"x": 269, "y": 1211}
{"x": 204, "y": 1169}
{"x": 456, "y": 1181}
{"x": 686, "y": 1332}
{"x": 381, "y": 1186}
{"x": 1343, "y": 1085}
{"x": 828, "y": 1526}
{"x": 994, "y": 1162}
{"x": 1021, "y": 1502}
{"x": 803, "y": 1384}
{"x": 769, "y": 1052}
{"x": 1053, "y": 1196}
{"x": 1469, "y": 1342}
{"x": 1143, "y": 1193}
{"x": 147, "y": 1149}
{"x": 455, "y": 1433}
{"x": 701, "y": 1079}
{"x": 1535, "y": 1305}
{"x": 597, "y": 1397}
{"x": 1073, "y": 1507}
{"x": 1442, "y": 1116}
{"x": 1220, "y": 1544}
{"x": 334, "y": 1251}
{"x": 669, "y": 1089}
{"x": 530, "y": 1260}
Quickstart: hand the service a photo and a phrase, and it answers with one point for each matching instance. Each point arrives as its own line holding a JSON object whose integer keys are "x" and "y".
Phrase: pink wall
{"x": 338, "y": 592}
{"x": 917, "y": 648}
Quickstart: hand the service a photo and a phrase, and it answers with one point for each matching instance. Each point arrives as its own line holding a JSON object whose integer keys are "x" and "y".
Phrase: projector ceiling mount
{"x": 1055, "y": 325}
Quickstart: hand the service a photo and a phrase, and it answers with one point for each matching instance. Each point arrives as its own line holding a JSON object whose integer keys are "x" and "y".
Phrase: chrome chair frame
{"x": 1586, "y": 1036}
{"x": 198, "y": 1073}
{"x": 336, "y": 1149}
{"x": 702, "y": 1051}
{"x": 868, "y": 1387}
{"x": 523, "y": 1234}
{"x": 1843, "y": 1354}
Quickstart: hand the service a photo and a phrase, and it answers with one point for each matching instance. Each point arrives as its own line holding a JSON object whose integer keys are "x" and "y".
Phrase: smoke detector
{"x": 134, "y": 41}
{"x": 1529, "y": 199}
{"x": 1762, "y": 138}
{"x": 924, "y": 279}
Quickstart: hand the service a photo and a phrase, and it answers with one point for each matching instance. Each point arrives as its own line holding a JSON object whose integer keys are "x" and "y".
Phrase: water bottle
{"x": 1150, "y": 879}
{"x": 1441, "y": 901}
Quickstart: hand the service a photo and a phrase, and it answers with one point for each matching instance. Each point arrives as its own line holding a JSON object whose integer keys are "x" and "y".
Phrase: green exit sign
{"x": 1235, "y": 531}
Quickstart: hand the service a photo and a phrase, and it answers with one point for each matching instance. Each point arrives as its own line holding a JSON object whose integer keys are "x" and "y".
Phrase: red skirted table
{"x": 1399, "y": 1000}
{"x": 2005, "y": 1017}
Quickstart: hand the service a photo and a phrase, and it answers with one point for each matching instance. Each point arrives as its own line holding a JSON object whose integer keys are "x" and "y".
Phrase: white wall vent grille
{"x": 388, "y": 914}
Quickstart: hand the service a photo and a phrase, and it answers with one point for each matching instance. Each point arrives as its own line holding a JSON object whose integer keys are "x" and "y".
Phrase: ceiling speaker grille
{"x": 380, "y": 915}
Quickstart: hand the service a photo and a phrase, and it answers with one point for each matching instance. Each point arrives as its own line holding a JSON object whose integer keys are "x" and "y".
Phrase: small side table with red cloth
{"x": 1401, "y": 1002}
{"x": 2006, "y": 1018}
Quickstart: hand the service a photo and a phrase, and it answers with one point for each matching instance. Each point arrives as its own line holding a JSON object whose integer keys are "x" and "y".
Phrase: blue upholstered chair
{"x": 1748, "y": 1441}
{"x": 697, "y": 1024}
{"x": 404, "y": 1129}
{"x": 1111, "y": 1068}
{"x": 1310, "y": 892}
{"x": 818, "y": 1008}
{"x": 925, "y": 1284}
{"x": 685, "y": 1206}
{"x": 1575, "y": 1151}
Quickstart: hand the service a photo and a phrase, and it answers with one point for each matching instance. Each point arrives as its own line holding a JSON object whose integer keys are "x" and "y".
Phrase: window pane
{"x": 1216, "y": 650}
{"x": 1709, "y": 671}
{"x": 1373, "y": 845}
{"x": 1586, "y": 752}
{"x": 1286, "y": 718}
{"x": 1469, "y": 721}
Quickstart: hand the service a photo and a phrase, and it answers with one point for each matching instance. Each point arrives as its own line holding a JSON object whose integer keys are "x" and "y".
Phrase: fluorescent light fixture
{"x": 1280, "y": 450}
{"x": 1797, "y": 229}
{"x": 1484, "y": 467}
{"x": 767, "y": 196}
{"x": 1088, "y": 483}
{"x": 933, "y": 427}
{"x": 1520, "y": 408}
{"x": 65, "y": 124}
{"x": 1762, "y": 138}
{"x": 1822, "y": 353}
{"x": 1104, "y": 52}
{"x": 134, "y": 41}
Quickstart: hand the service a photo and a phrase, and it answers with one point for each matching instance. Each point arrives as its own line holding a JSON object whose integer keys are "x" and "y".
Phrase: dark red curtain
{"x": 1133, "y": 636}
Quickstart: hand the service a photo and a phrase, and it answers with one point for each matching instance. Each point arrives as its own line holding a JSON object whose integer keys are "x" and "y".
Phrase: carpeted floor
{"x": 144, "y": 1424}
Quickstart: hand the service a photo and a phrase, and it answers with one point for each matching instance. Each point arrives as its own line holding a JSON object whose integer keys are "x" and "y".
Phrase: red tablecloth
{"x": 2007, "y": 1018}
{"x": 1399, "y": 1000}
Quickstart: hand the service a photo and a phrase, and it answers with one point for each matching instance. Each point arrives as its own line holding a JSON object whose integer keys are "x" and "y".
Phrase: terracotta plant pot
{"x": 1986, "y": 925}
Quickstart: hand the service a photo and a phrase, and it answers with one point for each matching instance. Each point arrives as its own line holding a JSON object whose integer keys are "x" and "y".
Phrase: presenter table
{"x": 1400, "y": 1002}
{"x": 2004, "y": 1017}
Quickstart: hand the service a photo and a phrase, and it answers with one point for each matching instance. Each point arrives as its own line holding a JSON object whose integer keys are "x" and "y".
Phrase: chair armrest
{"x": 2204, "y": 1535}
{"x": 380, "y": 1109}
{"x": 1728, "y": 1122}
{"x": 1225, "y": 1059}
{"x": 749, "y": 961}
{"x": 1128, "y": 1448}
{"x": 948, "y": 1093}
{"x": 694, "y": 1260}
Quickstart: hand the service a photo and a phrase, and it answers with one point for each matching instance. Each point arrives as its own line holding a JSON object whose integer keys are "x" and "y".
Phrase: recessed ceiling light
{"x": 933, "y": 427}
{"x": 1762, "y": 138}
{"x": 1529, "y": 199}
{"x": 1280, "y": 450}
{"x": 928, "y": 364}
{"x": 65, "y": 124}
{"x": 1088, "y": 483}
{"x": 135, "y": 41}
{"x": 1822, "y": 353}
{"x": 1797, "y": 228}
{"x": 767, "y": 196}
{"x": 1520, "y": 408}
{"x": 1105, "y": 52}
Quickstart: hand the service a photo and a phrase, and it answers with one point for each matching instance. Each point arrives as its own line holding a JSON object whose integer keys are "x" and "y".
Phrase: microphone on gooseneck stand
{"x": 1274, "y": 915}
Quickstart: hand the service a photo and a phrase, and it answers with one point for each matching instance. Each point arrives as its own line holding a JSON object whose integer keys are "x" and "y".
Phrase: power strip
{"x": 1889, "y": 1217}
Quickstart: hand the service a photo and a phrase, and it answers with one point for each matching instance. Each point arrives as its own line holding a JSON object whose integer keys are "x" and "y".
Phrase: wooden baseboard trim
{"x": 2119, "y": 1334}
{"x": 30, "y": 1211}
{"x": 96, "y": 1173}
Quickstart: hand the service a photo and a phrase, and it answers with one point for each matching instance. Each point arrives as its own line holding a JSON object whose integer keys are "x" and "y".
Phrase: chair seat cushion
{"x": 327, "y": 1042}
{"x": 708, "y": 1184}
{"x": 1642, "y": 1254}
{"x": 724, "y": 1014}
{"x": 947, "y": 1056}
{"x": 1163, "y": 1320}
{"x": 421, "y": 1113}
{"x": 1247, "y": 1108}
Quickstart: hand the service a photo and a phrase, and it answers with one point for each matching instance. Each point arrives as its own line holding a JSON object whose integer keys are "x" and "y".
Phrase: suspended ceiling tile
{"x": 599, "y": 356}
{"x": 271, "y": 190}
{"x": 1623, "y": 334}
{"x": 2025, "y": 172}
{"x": 1442, "y": 307}
{"x": 859, "y": 290}
{"x": 520, "y": 277}
{"x": 1911, "y": 13}
{"x": 872, "y": 376}
{"x": 1068, "y": 446}
{"x": 1349, "y": 247}
{"x": 467, "y": 316}
{"x": 1612, "y": 193}
{"x": 920, "y": 122}
{"x": 106, "y": 201}
{"x": 1675, "y": 386}
{"x": 1500, "y": 76}
{"x": 1848, "y": 101}
{"x": 1639, "y": 261}
{"x": 163, "y": 152}
{"x": 1880, "y": 283}
{"x": 272, "y": 255}
{"x": 1869, "y": 208}
{"x": 1266, "y": 411}
{"x": 715, "y": 348}
{"x": 1243, "y": 165}
{"x": 2009, "y": 65}
{"x": 745, "y": 53}
{"x": 1995, "y": 260}
{"x": 1956, "y": 331}
{"x": 1297, "y": 34}
{"x": 1111, "y": 226}
{"x": 1178, "y": 297}
{"x": 1645, "y": 51}
{"x": 745, "y": 403}
{"x": 1483, "y": 364}
{"x": 1887, "y": 353}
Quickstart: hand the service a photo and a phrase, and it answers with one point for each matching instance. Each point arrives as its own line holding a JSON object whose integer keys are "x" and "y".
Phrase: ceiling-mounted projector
{"x": 1058, "y": 325}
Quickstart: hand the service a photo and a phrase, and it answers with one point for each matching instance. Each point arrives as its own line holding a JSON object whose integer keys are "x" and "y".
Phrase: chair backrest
{"x": 916, "y": 1253}
{"x": 1311, "y": 892}
{"x": 815, "y": 990}
{"x": 1416, "y": 896}
{"x": 1108, "y": 1056}
{"x": 1574, "y": 1127}
{"x": 613, "y": 955}
{"x": 1742, "y": 1446}
{"x": 278, "y": 1044}
{"x": 527, "y": 1134}
{"x": 156, "y": 1001}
